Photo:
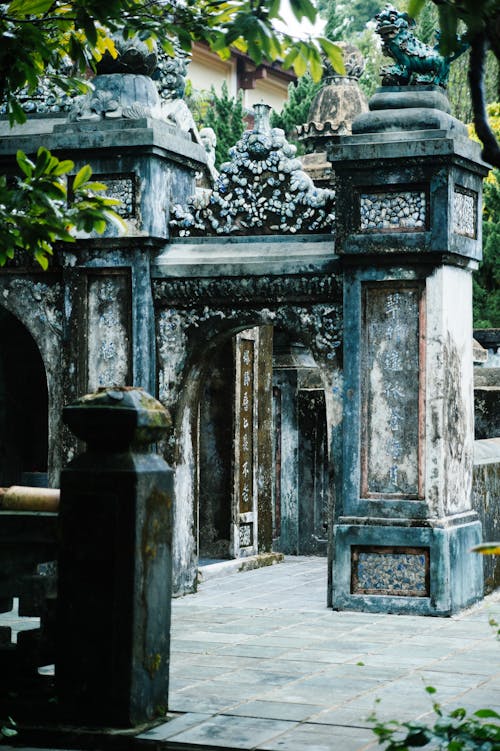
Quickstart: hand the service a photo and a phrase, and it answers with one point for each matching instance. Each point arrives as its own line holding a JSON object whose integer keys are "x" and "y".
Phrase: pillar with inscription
{"x": 409, "y": 233}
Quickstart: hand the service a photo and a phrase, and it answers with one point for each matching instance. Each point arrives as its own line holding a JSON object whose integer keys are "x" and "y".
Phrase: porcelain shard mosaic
{"x": 123, "y": 189}
{"x": 393, "y": 211}
{"x": 384, "y": 572}
{"x": 464, "y": 213}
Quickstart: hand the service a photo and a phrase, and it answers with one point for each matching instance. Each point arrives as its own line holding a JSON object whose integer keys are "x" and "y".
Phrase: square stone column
{"x": 409, "y": 232}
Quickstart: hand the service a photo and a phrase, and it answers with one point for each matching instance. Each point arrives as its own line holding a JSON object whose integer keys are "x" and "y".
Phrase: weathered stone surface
{"x": 114, "y": 563}
{"x": 261, "y": 190}
{"x": 409, "y": 97}
{"x": 485, "y": 495}
{"x": 438, "y": 161}
{"x": 486, "y": 412}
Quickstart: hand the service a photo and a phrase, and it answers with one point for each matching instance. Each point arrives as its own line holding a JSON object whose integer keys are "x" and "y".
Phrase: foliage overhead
{"x": 39, "y": 38}
{"x": 34, "y": 210}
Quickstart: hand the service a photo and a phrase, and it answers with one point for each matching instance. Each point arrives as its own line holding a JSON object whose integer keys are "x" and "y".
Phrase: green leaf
{"x": 334, "y": 54}
{"x": 29, "y": 7}
{"x": 484, "y": 713}
{"x": 414, "y": 7}
{"x": 63, "y": 167}
{"x": 487, "y": 548}
{"x": 10, "y": 732}
{"x": 25, "y": 164}
{"x": 315, "y": 64}
{"x": 81, "y": 177}
{"x": 42, "y": 259}
{"x": 290, "y": 57}
{"x": 43, "y": 157}
{"x": 303, "y": 8}
{"x": 300, "y": 65}
{"x": 430, "y": 689}
{"x": 16, "y": 112}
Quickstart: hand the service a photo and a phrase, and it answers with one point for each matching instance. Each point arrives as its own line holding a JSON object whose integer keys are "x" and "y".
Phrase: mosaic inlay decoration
{"x": 391, "y": 391}
{"x": 391, "y": 212}
{"x": 400, "y": 572}
{"x": 121, "y": 188}
{"x": 464, "y": 213}
{"x": 246, "y": 535}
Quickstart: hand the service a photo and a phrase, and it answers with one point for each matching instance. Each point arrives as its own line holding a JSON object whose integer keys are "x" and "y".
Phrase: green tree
{"x": 296, "y": 108}
{"x": 225, "y": 115}
{"x": 37, "y": 37}
{"x": 486, "y": 280}
{"x": 481, "y": 19}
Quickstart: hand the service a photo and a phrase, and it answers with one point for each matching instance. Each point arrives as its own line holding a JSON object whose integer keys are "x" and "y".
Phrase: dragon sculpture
{"x": 415, "y": 62}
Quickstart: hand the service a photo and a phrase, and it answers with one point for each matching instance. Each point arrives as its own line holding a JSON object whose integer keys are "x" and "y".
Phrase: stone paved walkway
{"x": 259, "y": 662}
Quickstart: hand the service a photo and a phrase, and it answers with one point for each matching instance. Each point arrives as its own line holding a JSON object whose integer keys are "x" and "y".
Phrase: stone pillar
{"x": 114, "y": 594}
{"x": 409, "y": 232}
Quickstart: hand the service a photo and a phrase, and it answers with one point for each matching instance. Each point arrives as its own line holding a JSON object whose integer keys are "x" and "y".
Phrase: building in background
{"x": 268, "y": 82}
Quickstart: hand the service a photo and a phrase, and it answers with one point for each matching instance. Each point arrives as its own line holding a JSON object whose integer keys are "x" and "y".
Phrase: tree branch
{"x": 491, "y": 149}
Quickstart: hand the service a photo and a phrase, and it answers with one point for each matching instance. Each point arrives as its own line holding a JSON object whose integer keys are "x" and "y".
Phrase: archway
{"x": 23, "y": 406}
{"x": 248, "y": 375}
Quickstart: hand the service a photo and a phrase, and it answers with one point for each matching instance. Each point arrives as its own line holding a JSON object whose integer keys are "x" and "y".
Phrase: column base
{"x": 407, "y": 570}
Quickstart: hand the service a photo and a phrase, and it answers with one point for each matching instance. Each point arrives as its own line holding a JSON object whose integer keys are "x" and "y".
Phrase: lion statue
{"x": 415, "y": 62}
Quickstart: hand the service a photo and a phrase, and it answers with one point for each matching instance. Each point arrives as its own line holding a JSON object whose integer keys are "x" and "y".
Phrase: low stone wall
{"x": 486, "y": 501}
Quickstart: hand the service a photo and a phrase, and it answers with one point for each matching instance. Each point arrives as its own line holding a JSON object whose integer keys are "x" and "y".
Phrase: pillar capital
{"x": 408, "y": 179}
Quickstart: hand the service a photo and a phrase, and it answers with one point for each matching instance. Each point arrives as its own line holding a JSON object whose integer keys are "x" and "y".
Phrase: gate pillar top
{"x": 113, "y": 418}
{"x": 409, "y": 179}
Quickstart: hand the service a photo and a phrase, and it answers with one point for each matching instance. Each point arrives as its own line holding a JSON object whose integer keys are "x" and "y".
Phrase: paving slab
{"x": 324, "y": 672}
{"x": 259, "y": 662}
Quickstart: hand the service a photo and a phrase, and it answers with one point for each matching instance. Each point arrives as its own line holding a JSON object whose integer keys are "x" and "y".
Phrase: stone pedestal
{"x": 114, "y": 593}
{"x": 409, "y": 231}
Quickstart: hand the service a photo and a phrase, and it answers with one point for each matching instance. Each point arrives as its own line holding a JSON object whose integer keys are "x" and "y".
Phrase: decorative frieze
{"x": 268, "y": 289}
{"x": 262, "y": 190}
{"x": 464, "y": 212}
{"x": 398, "y": 572}
{"x": 403, "y": 211}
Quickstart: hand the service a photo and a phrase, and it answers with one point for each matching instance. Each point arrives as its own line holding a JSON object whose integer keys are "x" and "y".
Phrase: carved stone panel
{"x": 108, "y": 330}
{"x": 397, "y": 571}
{"x": 392, "y": 391}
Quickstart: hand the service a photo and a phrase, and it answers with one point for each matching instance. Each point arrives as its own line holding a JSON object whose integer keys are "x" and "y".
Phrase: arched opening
{"x": 262, "y": 449}
{"x": 23, "y": 406}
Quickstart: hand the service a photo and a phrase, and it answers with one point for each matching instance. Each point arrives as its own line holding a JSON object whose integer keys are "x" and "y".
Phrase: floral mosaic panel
{"x": 390, "y": 571}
